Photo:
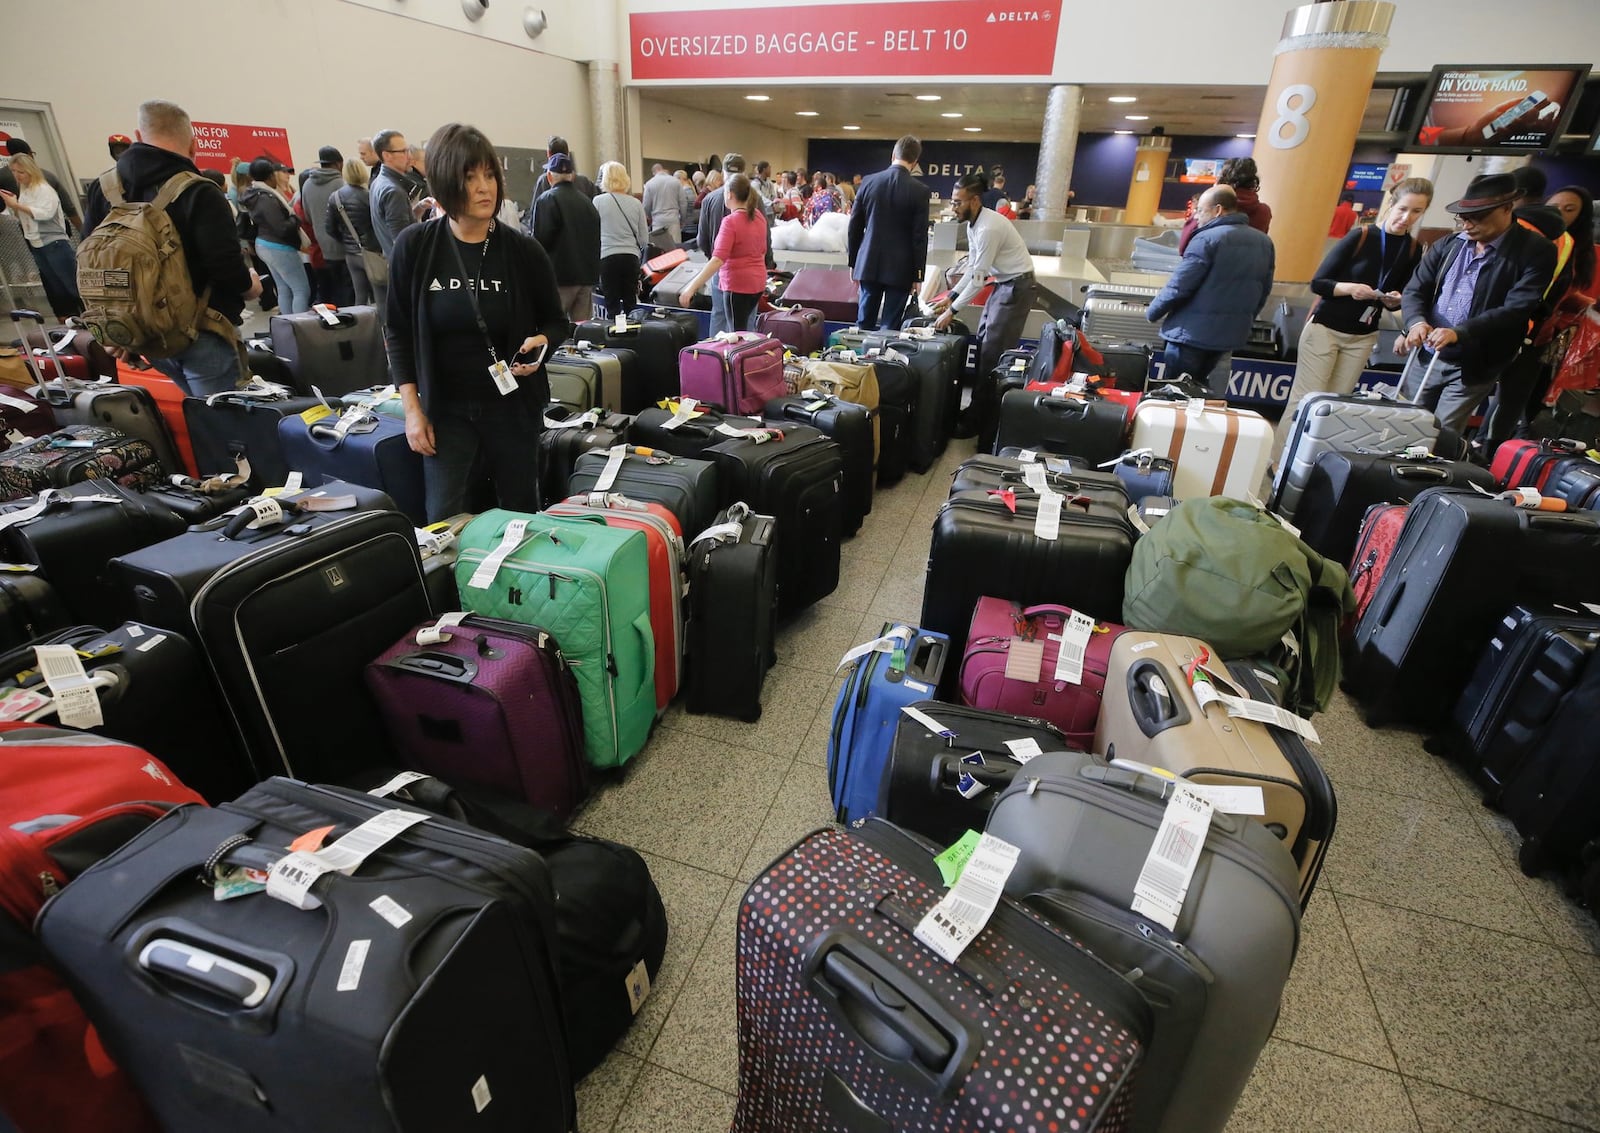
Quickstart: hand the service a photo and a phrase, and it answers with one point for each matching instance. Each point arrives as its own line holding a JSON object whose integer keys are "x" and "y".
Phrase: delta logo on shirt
{"x": 456, "y": 285}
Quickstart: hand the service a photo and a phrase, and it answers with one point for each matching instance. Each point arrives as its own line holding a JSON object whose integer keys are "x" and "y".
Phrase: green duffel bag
{"x": 588, "y": 585}
{"x": 1228, "y": 573}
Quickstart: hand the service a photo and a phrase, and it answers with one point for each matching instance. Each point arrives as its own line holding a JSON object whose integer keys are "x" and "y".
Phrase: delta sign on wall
{"x": 863, "y": 42}
{"x": 219, "y": 146}
{"x": 943, "y": 163}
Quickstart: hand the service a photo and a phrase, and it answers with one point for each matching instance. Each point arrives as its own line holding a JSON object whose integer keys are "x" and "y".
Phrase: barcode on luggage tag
{"x": 1074, "y": 640}
{"x": 516, "y": 531}
{"x": 1164, "y": 879}
{"x": 960, "y": 916}
{"x": 1047, "y": 524}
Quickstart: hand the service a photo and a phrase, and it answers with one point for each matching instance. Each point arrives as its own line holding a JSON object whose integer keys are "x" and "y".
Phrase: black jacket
{"x": 358, "y": 204}
{"x": 409, "y": 337}
{"x": 274, "y": 222}
{"x": 1358, "y": 257}
{"x": 201, "y": 215}
{"x": 889, "y": 229}
{"x": 1509, "y": 294}
{"x": 566, "y": 224}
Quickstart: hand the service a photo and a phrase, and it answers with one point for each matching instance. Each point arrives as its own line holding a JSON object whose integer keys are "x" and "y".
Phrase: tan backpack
{"x": 133, "y": 277}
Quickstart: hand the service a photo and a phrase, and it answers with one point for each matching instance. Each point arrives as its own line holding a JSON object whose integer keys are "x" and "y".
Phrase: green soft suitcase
{"x": 588, "y": 585}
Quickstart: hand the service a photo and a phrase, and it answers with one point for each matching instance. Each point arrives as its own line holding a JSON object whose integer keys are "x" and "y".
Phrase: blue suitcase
{"x": 373, "y": 452}
{"x": 904, "y": 667}
{"x": 1144, "y": 474}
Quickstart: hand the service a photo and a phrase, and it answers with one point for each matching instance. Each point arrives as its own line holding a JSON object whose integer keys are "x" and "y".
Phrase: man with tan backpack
{"x": 159, "y": 268}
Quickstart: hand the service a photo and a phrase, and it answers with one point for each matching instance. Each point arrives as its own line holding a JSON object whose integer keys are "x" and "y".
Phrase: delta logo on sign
{"x": 856, "y": 41}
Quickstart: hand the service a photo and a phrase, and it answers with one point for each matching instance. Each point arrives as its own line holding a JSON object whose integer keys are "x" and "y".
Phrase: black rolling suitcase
{"x": 897, "y": 409}
{"x": 288, "y": 616}
{"x": 154, "y": 693}
{"x": 76, "y": 533}
{"x": 684, "y": 486}
{"x": 562, "y": 442}
{"x": 245, "y": 423}
{"x": 1090, "y": 427}
{"x": 1343, "y": 485}
{"x": 1063, "y": 476}
{"x": 848, "y": 1022}
{"x": 196, "y": 504}
{"x": 336, "y": 358}
{"x": 1010, "y": 374}
{"x": 982, "y": 547}
{"x": 1461, "y": 560}
{"x": 849, "y": 426}
{"x": 1126, "y": 364}
{"x": 1553, "y": 797}
{"x": 655, "y": 340}
{"x": 28, "y": 607}
{"x": 923, "y": 788}
{"x": 1522, "y": 678}
{"x": 733, "y": 599}
{"x": 935, "y": 367}
{"x": 686, "y": 435}
{"x": 799, "y": 481}
{"x": 418, "y": 993}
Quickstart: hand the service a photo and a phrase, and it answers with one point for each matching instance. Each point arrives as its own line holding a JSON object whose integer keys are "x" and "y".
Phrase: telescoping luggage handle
{"x": 41, "y": 386}
{"x": 1405, "y": 370}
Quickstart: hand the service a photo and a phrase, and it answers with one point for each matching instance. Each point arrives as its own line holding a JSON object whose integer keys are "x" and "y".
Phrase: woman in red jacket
{"x": 1240, "y": 173}
{"x": 739, "y": 256}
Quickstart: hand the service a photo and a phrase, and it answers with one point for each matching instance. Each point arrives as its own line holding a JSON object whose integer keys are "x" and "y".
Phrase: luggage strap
{"x": 51, "y": 499}
{"x": 258, "y": 389}
{"x": 1230, "y": 441}
{"x": 726, "y": 532}
{"x": 221, "y": 482}
{"x": 581, "y": 421}
{"x": 897, "y": 638}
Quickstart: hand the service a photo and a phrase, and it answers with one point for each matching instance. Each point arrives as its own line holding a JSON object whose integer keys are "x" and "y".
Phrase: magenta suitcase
{"x": 740, "y": 371}
{"x": 490, "y": 704}
{"x": 828, "y": 290}
{"x": 997, "y": 625}
{"x": 798, "y": 328}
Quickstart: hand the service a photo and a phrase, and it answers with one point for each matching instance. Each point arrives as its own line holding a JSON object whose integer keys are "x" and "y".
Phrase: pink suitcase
{"x": 829, "y": 290}
{"x": 798, "y": 328}
{"x": 740, "y": 371}
{"x": 997, "y": 626}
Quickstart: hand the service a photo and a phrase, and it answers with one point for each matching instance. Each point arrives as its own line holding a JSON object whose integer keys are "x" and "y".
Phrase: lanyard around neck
{"x": 472, "y": 292}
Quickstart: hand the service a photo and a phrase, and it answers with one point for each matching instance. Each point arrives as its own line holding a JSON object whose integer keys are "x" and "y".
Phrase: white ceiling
{"x": 1002, "y": 113}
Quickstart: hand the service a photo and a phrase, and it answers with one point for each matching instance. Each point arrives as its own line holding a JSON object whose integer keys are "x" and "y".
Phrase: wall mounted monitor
{"x": 1201, "y": 170}
{"x": 1497, "y": 109}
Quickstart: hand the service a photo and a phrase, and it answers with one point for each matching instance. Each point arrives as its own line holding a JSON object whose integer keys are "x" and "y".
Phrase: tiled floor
{"x": 1436, "y": 989}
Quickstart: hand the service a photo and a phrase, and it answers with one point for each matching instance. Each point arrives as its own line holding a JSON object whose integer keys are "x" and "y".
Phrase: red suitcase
{"x": 1001, "y": 630}
{"x": 1525, "y": 464}
{"x": 1380, "y": 533}
{"x": 829, "y": 290}
{"x": 169, "y": 400}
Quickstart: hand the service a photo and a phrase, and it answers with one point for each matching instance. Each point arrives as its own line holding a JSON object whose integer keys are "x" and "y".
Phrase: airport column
{"x": 605, "y": 111}
{"x": 1321, "y": 80}
{"x": 1056, "y": 148}
{"x": 1149, "y": 173}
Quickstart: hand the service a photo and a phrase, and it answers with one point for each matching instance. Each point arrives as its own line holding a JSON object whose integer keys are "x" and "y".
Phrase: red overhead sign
{"x": 858, "y": 41}
{"x": 219, "y": 146}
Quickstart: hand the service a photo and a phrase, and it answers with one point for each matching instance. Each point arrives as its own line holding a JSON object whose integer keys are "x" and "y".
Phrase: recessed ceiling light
{"x": 1138, "y": 117}
{"x": 950, "y": 114}
{"x": 1122, "y": 131}
{"x": 973, "y": 129}
{"x": 929, "y": 97}
{"x": 757, "y": 98}
{"x": 1122, "y": 98}
{"x": 805, "y": 113}
{"x": 849, "y": 127}
{"x": 1244, "y": 135}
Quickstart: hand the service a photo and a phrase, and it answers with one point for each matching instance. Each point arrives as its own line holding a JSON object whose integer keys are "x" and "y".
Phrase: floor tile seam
{"x": 1569, "y": 956}
{"x": 1341, "y": 1057}
{"x": 691, "y": 1078}
{"x": 1392, "y": 793}
{"x": 1441, "y": 917}
{"x": 736, "y": 893}
{"x": 1372, "y": 997}
{"x": 1519, "y": 880}
{"x": 1498, "y": 1102}
{"x": 746, "y": 748}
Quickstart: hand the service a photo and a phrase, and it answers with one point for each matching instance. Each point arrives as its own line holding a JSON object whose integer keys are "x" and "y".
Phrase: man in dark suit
{"x": 1473, "y": 298}
{"x": 889, "y": 238}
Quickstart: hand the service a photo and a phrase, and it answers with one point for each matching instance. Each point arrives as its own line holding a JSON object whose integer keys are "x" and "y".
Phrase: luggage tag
{"x": 1531, "y": 499}
{"x": 436, "y": 633}
{"x": 1073, "y": 641}
{"x": 583, "y": 420}
{"x": 963, "y": 912}
{"x": 326, "y": 312}
{"x": 954, "y": 858}
{"x": 431, "y": 544}
{"x": 687, "y": 409}
{"x": 18, "y": 404}
{"x": 759, "y": 436}
{"x": 608, "y": 475}
{"x": 929, "y": 723}
{"x": 516, "y": 532}
{"x": 897, "y": 638}
{"x": 293, "y": 875}
{"x": 504, "y": 380}
{"x": 268, "y": 512}
{"x": 76, "y": 697}
{"x": 1024, "y": 749}
{"x": 317, "y": 413}
{"x": 1035, "y": 477}
{"x": 20, "y": 703}
{"x": 1163, "y": 882}
{"x": 966, "y": 786}
{"x": 1047, "y": 523}
{"x": 1245, "y": 708}
{"x": 1007, "y": 497}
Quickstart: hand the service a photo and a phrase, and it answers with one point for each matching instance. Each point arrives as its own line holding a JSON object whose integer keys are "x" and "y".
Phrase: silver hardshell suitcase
{"x": 1084, "y": 829}
{"x": 1328, "y": 422}
{"x": 1117, "y": 314}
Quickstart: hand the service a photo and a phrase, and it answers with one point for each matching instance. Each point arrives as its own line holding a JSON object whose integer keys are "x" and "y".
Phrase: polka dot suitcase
{"x": 847, "y": 1023}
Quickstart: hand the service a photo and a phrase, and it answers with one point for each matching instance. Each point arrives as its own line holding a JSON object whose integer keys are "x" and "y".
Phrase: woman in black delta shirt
{"x": 472, "y": 309}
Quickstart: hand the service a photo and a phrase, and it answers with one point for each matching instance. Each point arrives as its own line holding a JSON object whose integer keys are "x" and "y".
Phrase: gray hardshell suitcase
{"x": 1084, "y": 830}
{"x": 1329, "y": 422}
{"x": 605, "y": 365}
{"x": 1117, "y": 314}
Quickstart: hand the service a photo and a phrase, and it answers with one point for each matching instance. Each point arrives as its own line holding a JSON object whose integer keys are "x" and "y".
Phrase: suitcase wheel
{"x": 1531, "y": 858}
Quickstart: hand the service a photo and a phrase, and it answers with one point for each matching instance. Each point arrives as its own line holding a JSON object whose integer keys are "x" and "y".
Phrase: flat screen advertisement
{"x": 1367, "y": 178}
{"x": 1497, "y": 109}
{"x": 1201, "y": 170}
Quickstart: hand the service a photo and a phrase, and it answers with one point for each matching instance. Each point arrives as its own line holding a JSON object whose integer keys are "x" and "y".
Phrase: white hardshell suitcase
{"x": 1327, "y": 422}
{"x": 1218, "y": 450}
{"x": 1117, "y": 314}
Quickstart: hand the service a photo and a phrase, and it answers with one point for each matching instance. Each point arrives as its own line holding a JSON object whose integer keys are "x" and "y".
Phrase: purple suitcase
{"x": 829, "y": 290}
{"x": 493, "y": 704}
{"x": 798, "y": 328}
{"x": 740, "y": 371}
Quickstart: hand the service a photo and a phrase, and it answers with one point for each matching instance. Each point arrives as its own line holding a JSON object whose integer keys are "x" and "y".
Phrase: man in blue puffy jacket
{"x": 1220, "y": 286}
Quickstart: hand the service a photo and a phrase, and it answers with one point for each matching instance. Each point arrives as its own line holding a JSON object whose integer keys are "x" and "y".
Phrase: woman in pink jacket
{"x": 739, "y": 255}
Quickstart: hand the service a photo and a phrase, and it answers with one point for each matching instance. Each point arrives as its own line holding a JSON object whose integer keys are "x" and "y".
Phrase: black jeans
{"x": 743, "y": 309}
{"x": 881, "y": 306}
{"x": 619, "y": 282}
{"x": 473, "y": 438}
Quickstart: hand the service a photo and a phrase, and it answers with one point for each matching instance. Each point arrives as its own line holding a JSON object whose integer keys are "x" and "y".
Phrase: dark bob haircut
{"x": 453, "y": 152}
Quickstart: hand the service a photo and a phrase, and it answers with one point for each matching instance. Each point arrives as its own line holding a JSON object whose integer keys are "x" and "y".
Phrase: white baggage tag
{"x": 399, "y": 782}
{"x": 928, "y": 722}
{"x": 268, "y": 512}
{"x": 153, "y": 643}
{"x": 619, "y": 324}
{"x": 437, "y": 634}
{"x": 1137, "y": 520}
{"x": 1195, "y": 407}
{"x": 1164, "y": 881}
{"x": 608, "y": 474}
{"x": 1246, "y": 800}
{"x": 901, "y": 635}
{"x": 516, "y": 532}
{"x": 1027, "y": 456}
{"x": 292, "y": 876}
{"x": 687, "y": 411}
{"x": 432, "y": 544}
{"x": 1023, "y": 750}
{"x": 1035, "y": 476}
{"x": 1074, "y": 642}
{"x": 1271, "y": 715}
{"x": 18, "y": 404}
{"x": 1024, "y": 661}
{"x": 326, "y": 314}
{"x": 1047, "y": 524}
{"x": 1019, "y": 365}
{"x": 390, "y": 910}
{"x": 76, "y": 699}
{"x": 348, "y": 420}
{"x": 961, "y": 915}
{"x": 295, "y": 481}
{"x": 355, "y": 960}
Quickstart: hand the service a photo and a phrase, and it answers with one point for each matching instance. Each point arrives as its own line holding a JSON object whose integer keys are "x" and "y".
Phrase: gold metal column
{"x": 1149, "y": 172}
